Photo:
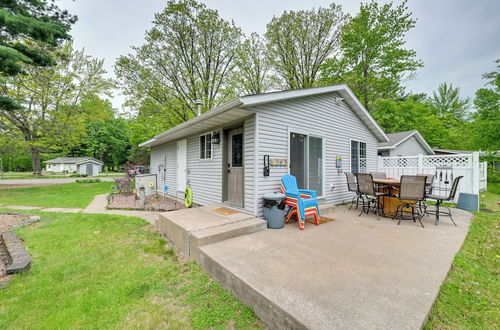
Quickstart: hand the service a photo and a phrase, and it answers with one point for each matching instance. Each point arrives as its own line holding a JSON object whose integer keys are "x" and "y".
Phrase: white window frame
{"x": 359, "y": 156}
{"x": 205, "y": 151}
{"x": 321, "y": 194}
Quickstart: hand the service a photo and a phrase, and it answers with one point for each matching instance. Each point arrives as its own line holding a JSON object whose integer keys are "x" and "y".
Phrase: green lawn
{"x": 29, "y": 175}
{"x": 70, "y": 195}
{"x": 470, "y": 295}
{"x": 103, "y": 271}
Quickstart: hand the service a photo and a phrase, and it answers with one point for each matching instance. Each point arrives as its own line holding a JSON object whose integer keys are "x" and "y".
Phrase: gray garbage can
{"x": 274, "y": 210}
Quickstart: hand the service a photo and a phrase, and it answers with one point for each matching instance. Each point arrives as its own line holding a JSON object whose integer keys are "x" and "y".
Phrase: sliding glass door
{"x": 306, "y": 161}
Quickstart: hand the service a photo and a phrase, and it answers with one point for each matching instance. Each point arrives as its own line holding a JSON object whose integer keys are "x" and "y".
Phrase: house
{"x": 409, "y": 143}
{"x": 439, "y": 151}
{"x": 235, "y": 153}
{"x": 82, "y": 165}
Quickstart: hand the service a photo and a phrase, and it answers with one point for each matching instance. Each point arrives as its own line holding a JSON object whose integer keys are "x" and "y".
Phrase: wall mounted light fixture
{"x": 215, "y": 137}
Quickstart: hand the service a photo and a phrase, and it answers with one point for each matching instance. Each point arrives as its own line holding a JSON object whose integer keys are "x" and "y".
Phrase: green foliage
{"x": 373, "y": 59}
{"x": 108, "y": 141}
{"x": 449, "y": 105}
{"x": 299, "y": 42}
{"x": 29, "y": 27}
{"x": 188, "y": 55}
{"x": 95, "y": 180}
{"x": 253, "y": 66}
{"x": 51, "y": 117}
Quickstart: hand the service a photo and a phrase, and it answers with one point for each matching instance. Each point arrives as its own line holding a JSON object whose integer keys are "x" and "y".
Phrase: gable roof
{"x": 239, "y": 108}
{"x": 395, "y": 139}
{"x": 73, "y": 160}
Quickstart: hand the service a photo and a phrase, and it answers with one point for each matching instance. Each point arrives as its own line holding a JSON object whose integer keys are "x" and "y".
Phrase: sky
{"x": 458, "y": 40}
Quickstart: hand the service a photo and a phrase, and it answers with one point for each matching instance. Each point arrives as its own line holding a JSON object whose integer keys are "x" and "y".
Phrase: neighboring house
{"x": 440, "y": 151}
{"x": 82, "y": 165}
{"x": 409, "y": 143}
{"x": 223, "y": 152}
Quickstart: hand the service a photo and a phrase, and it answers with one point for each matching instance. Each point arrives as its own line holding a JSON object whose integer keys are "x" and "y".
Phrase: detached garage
{"x": 81, "y": 165}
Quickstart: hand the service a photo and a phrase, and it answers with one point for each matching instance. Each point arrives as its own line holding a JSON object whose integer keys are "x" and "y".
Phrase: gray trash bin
{"x": 274, "y": 210}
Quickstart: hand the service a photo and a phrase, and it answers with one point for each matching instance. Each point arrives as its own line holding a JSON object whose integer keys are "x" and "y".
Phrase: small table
{"x": 389, "y": 203}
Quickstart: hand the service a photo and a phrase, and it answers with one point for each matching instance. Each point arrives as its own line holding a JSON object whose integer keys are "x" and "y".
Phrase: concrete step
{"x": 190, "y": 229}
{"x": 326, "y": 208}
{"x": 221, "y": 233}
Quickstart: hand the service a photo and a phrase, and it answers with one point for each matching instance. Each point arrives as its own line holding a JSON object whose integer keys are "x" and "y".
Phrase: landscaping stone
{"x": 150, "y": 203}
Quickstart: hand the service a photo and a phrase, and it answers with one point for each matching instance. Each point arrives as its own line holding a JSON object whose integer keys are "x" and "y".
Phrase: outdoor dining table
{"x": 390, "y": 203}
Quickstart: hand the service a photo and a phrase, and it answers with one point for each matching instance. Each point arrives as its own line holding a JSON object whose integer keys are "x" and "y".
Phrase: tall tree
{"x": 253, "y": 67}
{"x": 49, "y": 115}
{"x": 25, "y": 26}
{"x": 299, "y": 42}
{"x": 486, "y": 126}
{"x": 373, "y": 59}
{"x": 108, "y": 141}
{"x": 188, "y": 55}
{"x": 448, "y": 103}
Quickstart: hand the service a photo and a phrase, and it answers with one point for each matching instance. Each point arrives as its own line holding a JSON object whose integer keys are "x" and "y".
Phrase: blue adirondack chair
{"x": 301, "y": 202}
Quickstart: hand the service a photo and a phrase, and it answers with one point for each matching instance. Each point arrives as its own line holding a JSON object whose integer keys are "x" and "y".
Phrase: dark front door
{"x": 298, "y": 158}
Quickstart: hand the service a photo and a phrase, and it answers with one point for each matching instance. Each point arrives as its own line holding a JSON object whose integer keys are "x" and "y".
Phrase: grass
{"x": 70, "y": 195}
{"x": 470, "y": 296}
{"x": 103, "y": 271}
{"x": 29, "y": 175}
{"x": 489, "y": 199}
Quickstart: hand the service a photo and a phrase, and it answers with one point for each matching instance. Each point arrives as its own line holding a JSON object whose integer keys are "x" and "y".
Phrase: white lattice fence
{"x": 466, "y": 165}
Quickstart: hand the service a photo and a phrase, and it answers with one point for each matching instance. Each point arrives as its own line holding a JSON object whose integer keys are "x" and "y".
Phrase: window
{"x": 237, "y": 150}
{"x": 206, "y": 146}
{"x": 358, "y": 157}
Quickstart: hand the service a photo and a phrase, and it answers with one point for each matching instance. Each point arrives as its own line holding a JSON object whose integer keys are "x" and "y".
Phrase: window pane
{"x": 208, "y": 146}
{"x": 237, "y": 150}
{"x": 202, "y": 146}
{"x": 316, "y": 164}
{"x": 362, "y": 157}
{"x": 354, "y": 157}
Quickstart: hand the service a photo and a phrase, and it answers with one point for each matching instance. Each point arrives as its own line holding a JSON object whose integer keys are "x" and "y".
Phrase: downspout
{"x": 198, "y": 107}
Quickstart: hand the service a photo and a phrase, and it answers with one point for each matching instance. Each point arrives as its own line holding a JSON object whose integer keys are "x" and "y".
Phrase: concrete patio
{"x": 351, "y": 273}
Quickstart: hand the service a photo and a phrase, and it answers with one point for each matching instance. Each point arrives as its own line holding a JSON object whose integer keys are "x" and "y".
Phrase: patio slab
{"x": 351, "y": 273}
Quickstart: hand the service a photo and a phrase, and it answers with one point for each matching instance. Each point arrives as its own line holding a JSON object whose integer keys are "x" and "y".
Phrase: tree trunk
{"x": 35, "y": 160}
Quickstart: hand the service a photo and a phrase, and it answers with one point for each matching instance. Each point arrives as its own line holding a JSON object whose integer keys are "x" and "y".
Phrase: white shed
{"x": 81, "y": 165}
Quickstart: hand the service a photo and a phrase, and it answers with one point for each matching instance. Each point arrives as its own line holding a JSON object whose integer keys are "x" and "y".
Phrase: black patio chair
{"x": 353, "y": 187}
{"x": 411, "y": 192}
{"x": 440, "y": 199}
{"x": 429, "y": 184}
{"x": 369, "y": 195}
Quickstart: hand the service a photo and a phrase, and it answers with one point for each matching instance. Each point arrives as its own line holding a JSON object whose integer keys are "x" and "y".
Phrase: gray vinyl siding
{"x": 317, "y": 115}
{"x": 205, "y": 175}
{"x": 165, "y": 153}
{"x": 410, "y": 147}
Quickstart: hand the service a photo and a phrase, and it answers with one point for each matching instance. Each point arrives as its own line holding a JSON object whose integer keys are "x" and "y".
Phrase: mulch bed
{"x": 153, "y": 203}
{"x": 8, "y": 221}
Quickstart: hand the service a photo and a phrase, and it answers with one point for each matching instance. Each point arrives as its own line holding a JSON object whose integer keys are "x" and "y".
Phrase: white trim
{"x": 359, "y": 158}
{"x": 256, "y": 161}
{"x": 205, "y": 151}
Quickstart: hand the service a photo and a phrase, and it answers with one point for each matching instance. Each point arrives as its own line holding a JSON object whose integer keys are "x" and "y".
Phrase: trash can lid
{"x": 274, "y": 196}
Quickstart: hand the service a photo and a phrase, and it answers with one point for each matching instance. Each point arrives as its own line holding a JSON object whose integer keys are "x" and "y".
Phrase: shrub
{"x": 88, "y": 180}
{"x": 78, "y": 175}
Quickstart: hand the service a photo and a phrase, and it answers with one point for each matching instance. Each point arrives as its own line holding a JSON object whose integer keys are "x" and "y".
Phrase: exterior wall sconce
{"x": 215, "y": 137}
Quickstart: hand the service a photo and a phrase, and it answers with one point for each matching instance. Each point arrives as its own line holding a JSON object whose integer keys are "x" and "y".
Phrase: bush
{"x": 88, "y": 180}
{"x": 78, "y": 175}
